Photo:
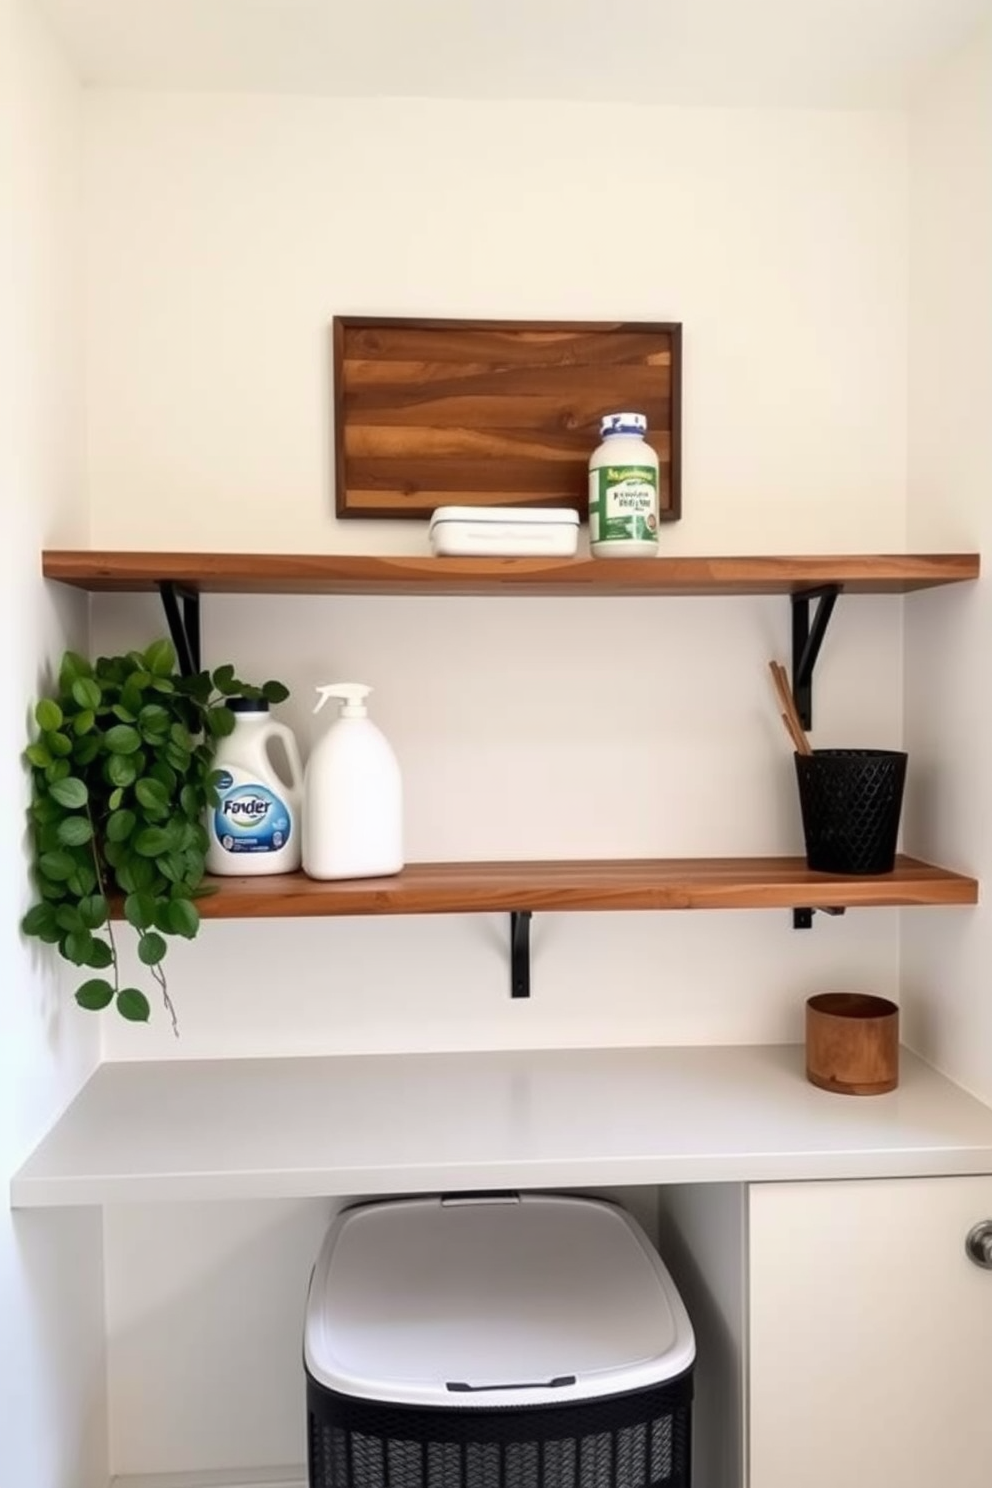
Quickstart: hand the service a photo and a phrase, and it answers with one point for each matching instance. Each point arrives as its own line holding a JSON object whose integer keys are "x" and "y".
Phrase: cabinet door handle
{"x": 978, "y": 1244}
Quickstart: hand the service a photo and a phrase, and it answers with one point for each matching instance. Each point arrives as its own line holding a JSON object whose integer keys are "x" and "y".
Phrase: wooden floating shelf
{"x": 267, "y": 573}
{"x": 637, "y": 884}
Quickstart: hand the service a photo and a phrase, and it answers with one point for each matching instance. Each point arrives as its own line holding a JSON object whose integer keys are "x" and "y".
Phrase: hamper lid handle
{"x": 558, "y": 1382}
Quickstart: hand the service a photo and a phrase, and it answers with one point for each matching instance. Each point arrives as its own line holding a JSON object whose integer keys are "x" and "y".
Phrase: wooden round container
{"x": 852, "y": 1043}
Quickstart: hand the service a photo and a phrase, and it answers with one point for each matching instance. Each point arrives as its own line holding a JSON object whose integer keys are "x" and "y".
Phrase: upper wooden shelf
{"x": 640, "y": 883}
{"x": 341, "y": 573}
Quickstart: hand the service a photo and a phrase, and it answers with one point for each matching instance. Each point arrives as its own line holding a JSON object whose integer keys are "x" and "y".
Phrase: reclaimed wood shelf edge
{"x": 343, "y": 573}
{"x": 634, "y": 884}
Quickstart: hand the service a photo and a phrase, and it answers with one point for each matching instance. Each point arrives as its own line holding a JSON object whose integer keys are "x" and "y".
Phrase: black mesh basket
{"x": 640, "y": 1439}
{"x": 851, "y": 801}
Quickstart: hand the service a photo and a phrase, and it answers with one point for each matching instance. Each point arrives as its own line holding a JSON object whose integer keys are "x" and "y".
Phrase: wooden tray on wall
{"x": 431, "y": 413}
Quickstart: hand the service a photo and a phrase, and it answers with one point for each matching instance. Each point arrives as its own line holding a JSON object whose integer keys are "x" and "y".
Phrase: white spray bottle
{"x": 352, "y": 795}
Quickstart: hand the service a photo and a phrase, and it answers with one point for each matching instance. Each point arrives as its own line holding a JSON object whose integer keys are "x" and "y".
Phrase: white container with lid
{"x": 352, "y": 794}
{"x": 503, "y": 532}
{"x": 623, "y": 490}
{"x": 501, "y": 1300}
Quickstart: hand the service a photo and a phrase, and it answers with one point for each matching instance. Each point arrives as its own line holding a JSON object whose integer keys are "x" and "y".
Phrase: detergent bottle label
{"x": 250, "y": 818}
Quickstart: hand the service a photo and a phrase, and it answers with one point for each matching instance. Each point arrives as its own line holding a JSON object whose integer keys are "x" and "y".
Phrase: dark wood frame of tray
{"x": 509, "y": 491}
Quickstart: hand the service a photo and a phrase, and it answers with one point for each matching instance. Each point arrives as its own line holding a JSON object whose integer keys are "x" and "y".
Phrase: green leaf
{"x": 153, "y": 842}
{"x": 115, "y": 798}
{"x": 83, "y": 722}
{"x": 83, "y": 881}
{"x": 151, "y": 948}
{"x": 139, "y": 910}
{"x": 95, "y": 994}
{"x": 206, "y": 891}
{"x": 162, "y": 685}
{"x": 86, "y": 750}
{"x": 57, "y": 866}
{"x": 181, "y": 737}
{"x": 275, "y": 692}
{"x": 152, "y": 794}
{"x": 124, "y": 714}
{"x": 189, "y": 800}
{"x": 68, "y": 918}
{"x": 110, "y": 670}
{"x": 70, "y": 793}
{"x": 76, "y": 947}
{"x": 225, "y": 681}
{"x": 120, "y": 825}
{"x": 47, "y": 835}
{"x": 154, "y": 718}
{"x": 86, "y": 693}
{"x": 49, "y": 890}
{"x": 48, "y": 715}
{"x": 198, "y": 687}
{"x": 133, "y": 1005}
{"x": 38, "y": 755}
{"x": 58, "y": 770}
{"x": 160, "y": 658}
{"x": 116, "y": 853}
{"x": 58, "y": 745}
{"x": 182, "y": 918}
{"x": 121, "y": 770}
{"x": 100, "y": 956}
{"x": 73, "y": 666}
{"x": 179, "y": 759}
{"x": 165, "y": 776}
{"x": 39, "y": 920}
{"x": 45, "y": 811}
{"x": 220, "y": 722}
{"x": 93, "y": 911}
{"x": 123, "y": 739}
{"x": 136, "y": 875}
{"x": 73, "y": 831}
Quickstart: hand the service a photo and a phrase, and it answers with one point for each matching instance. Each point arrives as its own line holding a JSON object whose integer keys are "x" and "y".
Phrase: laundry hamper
{"x": 496, "y": 1341}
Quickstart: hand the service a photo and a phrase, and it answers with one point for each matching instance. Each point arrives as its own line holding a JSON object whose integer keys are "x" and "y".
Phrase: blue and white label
{"x": 250, "y": 818}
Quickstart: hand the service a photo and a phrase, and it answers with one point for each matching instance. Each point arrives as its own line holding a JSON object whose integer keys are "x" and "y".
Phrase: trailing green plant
{"x": 122, "y": 777}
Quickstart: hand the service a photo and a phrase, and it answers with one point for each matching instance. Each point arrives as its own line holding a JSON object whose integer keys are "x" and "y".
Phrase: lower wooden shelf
{"x": 176, "y": 1130}
{"x": 638, "y": 883}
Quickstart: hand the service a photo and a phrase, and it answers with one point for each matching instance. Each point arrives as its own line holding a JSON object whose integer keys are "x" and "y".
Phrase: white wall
{"x": 223, "y": 234}
{"x": 226, "y": 231}
{"x": 948, "y": 697}
{"x": 52, "y": 1352}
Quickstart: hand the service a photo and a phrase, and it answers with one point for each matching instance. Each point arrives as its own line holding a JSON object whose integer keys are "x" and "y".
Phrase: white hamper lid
{"x": 511, "y": 1300}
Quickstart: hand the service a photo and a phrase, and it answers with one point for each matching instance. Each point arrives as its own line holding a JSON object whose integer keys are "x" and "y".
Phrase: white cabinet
{"x": 869, "y": 1335}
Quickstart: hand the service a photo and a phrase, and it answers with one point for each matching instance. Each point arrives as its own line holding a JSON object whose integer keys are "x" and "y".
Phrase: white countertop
{"x": 372, "y": 1124}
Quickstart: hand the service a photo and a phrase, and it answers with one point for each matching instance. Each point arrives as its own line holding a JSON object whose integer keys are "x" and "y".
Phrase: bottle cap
{"x": 623, "y": 423}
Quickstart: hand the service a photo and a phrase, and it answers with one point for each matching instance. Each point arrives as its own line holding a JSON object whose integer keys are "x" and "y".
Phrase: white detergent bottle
{"x": 353, "y": 795}
{"x": 255, "y": 828}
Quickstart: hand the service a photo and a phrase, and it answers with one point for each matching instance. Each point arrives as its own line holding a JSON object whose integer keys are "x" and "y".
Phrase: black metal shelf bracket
{"x": 807, "y": 639}
{"x": 182, "y": 611}
{"x": 520, "y": 952}
{"x": 802, "y": 919}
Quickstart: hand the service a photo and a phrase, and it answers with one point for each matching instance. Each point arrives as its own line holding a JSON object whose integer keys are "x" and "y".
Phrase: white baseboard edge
{"x": 254, "y": 1477}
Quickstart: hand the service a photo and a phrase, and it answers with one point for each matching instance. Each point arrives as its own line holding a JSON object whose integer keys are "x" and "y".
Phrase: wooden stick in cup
{"x": 797, "y": 742}
{"x": 790, "y": 713}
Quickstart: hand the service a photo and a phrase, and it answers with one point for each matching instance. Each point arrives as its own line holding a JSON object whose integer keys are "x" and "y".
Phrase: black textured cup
{"x": 851, "y": 800}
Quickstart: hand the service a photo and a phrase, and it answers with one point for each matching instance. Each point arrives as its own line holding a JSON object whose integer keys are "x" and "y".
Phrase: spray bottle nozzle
{"x": 351, "y": 694}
